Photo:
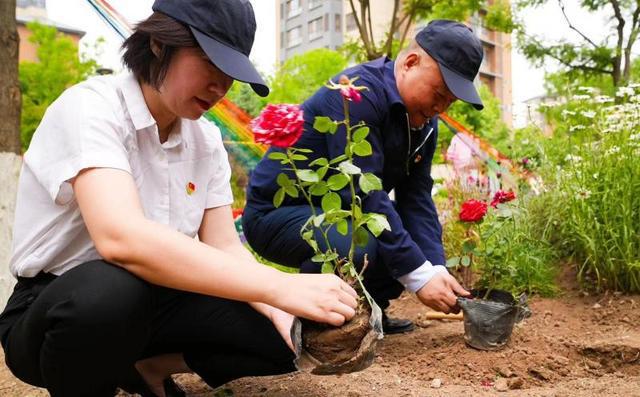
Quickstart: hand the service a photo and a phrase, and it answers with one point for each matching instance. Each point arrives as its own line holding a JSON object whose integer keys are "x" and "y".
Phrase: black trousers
{"x": 275, "y": 235}
{"x": 80, "y": 334}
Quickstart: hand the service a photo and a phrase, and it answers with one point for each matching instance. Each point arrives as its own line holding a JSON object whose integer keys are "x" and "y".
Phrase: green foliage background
{"x": 59, "y": 67}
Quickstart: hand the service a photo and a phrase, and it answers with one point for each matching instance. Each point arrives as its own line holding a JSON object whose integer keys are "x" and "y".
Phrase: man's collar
{"x": 390, "y": 82}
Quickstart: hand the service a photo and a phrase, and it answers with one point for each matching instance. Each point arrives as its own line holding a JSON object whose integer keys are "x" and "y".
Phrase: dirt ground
{"x": 573, "y": 345}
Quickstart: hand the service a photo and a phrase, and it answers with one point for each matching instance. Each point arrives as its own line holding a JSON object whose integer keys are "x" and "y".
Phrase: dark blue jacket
{"x": 401, "y": 158}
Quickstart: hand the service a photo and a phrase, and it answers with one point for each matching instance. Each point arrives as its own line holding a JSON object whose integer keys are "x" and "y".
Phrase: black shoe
{"x": 396, "y": 325}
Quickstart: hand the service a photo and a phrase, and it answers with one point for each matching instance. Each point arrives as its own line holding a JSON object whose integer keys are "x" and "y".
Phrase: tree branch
{"x": 368, "y": 12}
{"x": 632, "y": 39}
{"x": 617, "y": 59}
{"x": 389, "y": 43}
{"x": 362, "y": 29}
{"x": 561, "y": 4}
{"x": 409, "y": 21}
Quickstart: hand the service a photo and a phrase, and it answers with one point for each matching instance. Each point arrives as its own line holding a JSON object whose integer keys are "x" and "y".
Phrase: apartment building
{"x": 303, "y": 25}
{"x": 35, "y": 10}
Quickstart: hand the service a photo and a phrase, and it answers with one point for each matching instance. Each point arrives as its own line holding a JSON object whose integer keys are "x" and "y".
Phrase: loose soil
{"x": 573, "y": 345}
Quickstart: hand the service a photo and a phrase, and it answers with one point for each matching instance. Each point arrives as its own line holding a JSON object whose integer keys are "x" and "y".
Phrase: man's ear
{"x": 411, "y": 60}
{"x": 155, "y": 47}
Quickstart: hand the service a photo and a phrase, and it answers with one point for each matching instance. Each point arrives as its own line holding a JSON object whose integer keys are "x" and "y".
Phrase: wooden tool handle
{"x": 442, "y": 316}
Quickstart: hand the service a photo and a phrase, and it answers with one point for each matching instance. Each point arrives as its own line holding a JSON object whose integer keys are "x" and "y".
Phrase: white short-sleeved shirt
{"x": 104, "y": 122}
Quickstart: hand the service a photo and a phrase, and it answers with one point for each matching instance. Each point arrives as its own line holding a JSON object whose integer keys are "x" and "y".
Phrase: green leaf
{"x": 338, "y": 159}
{"x": 307, "y": 235}
{"x": 319, "y": 189}
{"x": 327, "y": 268}
{"x": 334, "y": 215}
{"x": 318, "y": 258}
{"x": 362, "y": 149}
{"x": 317, "y": 221}
{"x": 358, "y": 212}
{"x": 303, "y": 150}
{"x": 278, "y": 198}
{"x": 348, "y": 168}
{"x": 360, "y": 134}
{"x": 307, "y": 175}
{"x": 321, "y": 161}
{"x": 337, "y": 181}
{"x": 331, "y": 201}
{"x": 299, "y": 157}
{"x": 377, "y": 224}
{"x": 468, "y": 246}
{"x": 342, "y": 227}
{"x": 291, "y": 190}
{"x": 361, "y": 237}
{"x": 369, "y": 182}
{"x": 322, "y": 171}
{"x": 466, "y": 261}
{"x": 453, "y": 262}
{"x": 277, "y": 156}
{"x": 333, "y": 128}
{"x": 322, "y": 123}
{"x": 283, "y": 180}
{"x": 331, "y": 256}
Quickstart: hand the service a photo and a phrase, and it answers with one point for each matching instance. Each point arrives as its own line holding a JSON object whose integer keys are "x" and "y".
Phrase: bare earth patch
{"x": 571, "y": 346}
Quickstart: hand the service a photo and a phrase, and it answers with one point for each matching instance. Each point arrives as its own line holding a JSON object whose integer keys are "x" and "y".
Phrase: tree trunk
{"x": 10, "y": 100}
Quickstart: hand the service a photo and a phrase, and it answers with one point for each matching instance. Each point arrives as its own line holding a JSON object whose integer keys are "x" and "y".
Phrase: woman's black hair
{"x": 149, "y": 65}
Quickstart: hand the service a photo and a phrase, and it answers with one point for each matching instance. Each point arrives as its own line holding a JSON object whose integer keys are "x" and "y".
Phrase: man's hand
{"x": 441, "y": 292}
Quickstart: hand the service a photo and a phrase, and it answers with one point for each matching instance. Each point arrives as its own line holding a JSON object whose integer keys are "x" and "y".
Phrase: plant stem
{"x": 310, "y": 201}
{"x": 352, "y": 188}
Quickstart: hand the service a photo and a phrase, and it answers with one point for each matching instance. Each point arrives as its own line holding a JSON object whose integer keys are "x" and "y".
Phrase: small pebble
{"x": 501, "y": 384}
{"x": 515, "y": 383}
{"x": 436, "y": 383}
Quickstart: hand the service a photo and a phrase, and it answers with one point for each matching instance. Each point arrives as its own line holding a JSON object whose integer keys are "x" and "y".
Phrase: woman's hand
{"x": 319, "y": 297}
{"x": 283, "y": 322}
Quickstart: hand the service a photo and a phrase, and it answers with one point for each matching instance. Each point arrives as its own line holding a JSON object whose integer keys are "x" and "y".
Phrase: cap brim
{"x": 232, "y": 62}
{"x": 460, "y": 87}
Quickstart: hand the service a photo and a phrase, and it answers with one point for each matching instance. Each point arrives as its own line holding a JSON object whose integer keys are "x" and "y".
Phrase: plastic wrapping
{"x": 488, "y": 322}
{"x": 362, "y": 358}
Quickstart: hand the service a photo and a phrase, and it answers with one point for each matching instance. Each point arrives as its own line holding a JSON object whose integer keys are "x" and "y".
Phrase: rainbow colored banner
{"x": 236, "y": 133}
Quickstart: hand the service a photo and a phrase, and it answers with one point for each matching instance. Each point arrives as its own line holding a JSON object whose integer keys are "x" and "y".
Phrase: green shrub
{"x": 510, "y": 248}
{"x": 516, "y": 255}
{"x": 594, "y": 190}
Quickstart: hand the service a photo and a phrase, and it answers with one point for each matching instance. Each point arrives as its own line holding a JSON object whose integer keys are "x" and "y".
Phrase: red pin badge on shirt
{"x": 191, "y": 187}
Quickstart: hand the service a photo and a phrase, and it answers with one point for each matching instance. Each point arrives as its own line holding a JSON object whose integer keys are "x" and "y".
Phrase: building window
{"x": 315, "y": 28}
{"x": 294, "y": 36}
{"x": 351, "y": 22}
{"x": 314, "y": 3}
{"x": 293, "y": 8}
{"x": 338, "y": 23}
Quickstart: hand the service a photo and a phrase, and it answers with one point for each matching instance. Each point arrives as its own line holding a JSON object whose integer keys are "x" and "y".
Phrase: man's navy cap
{"x": 458, "y": 53}
{"x": 225, "y": 30}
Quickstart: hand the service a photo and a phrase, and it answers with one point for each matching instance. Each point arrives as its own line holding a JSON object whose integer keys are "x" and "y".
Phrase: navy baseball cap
{"x": 225, "y": 30}
{"x": 458, "y": 52}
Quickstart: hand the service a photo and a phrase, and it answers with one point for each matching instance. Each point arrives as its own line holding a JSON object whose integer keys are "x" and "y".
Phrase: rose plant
{"x": 319, "y": 181}
{"x": 472, "y": 212}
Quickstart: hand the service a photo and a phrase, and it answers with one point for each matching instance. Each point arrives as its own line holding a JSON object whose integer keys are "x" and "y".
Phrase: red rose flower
{"x": 473, "y": 210}
{"x": 502, "y": 197}
{"x": 278, "y": 125}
